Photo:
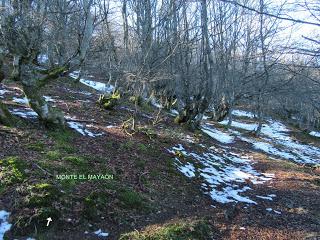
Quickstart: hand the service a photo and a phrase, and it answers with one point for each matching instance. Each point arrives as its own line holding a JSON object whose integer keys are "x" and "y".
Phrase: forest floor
{"x": 160, "y": 182}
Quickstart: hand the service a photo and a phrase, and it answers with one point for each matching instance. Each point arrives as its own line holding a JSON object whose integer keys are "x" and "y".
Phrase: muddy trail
{"x": 132, "y": 173}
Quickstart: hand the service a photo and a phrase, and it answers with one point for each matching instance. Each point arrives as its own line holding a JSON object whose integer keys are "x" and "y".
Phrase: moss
{"x": 142, "y": 147}
{"x": 26, "y": 224}
{"x": 69, "y": 184}
{"x": 147, "y": 107}
{"x": 129, "y": 145}
{"x": 137, "y": 100}
{"x": 76, "y": 160}
{"x": 42, "y": 195}
{"x": 12, "y": 171}
{"x": 140, "y": 163}
{"x": 131, "y": 199}
{"x": 94, "y": 204}
{"x": 108, "y": 102}
{"x": 53, "y": 155}
{"x": 151, "y": 133}
{"x": 63, "y": 140}
{"x": 196, "y": 230}
{"x": 6, "y": 118}
{"x": 51, "y": 74}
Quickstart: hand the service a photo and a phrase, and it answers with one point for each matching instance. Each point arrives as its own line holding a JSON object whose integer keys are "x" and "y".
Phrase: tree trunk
{"x": 6, "y": 118}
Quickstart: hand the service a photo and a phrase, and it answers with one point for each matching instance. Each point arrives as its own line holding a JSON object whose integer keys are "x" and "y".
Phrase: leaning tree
{"x": 28, "y": 34}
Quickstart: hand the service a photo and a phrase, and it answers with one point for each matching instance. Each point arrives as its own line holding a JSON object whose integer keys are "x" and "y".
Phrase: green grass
{"x": 196, "y": 230}
{"x": 75, "y": 160}
{"x": 129, "y": 145}
{"x": 131, "y": 199}
{"x": 37, "y": 146}
{"x": 142, "y": 147}
{"x": 63, "y": 140}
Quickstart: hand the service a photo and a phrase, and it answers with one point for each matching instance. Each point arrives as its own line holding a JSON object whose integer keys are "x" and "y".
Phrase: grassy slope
{"x": 146, "y": 192}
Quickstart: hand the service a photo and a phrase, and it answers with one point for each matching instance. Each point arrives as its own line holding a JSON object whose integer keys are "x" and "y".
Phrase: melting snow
{"x": 155, "y": 103}
{"x": 21, "y": 100}
{"x": 218, "y": 135}
{"x": 2, "y": 92}
{"x": 276, "y": 141}
{"x": 174, "y": 112}
{"x": 24, "y": 113}
{"x": 43, "y": 58}
{"x": 99, "y": 86}
{"x": 187, "y": 169}
{"x": 82, "y": 130}
{"x": 270, "y": 210}
{"x": 102, "y": 87}
{"x": 79, "y": 92}
{"x": 224, "y": 173}
{"x": 315, "y": 134}
{"x": 4, "y": 224}
{"x": 99, "y": 233}
{"x": 269, "y": 197}
{"x": 49, "y": 99}
{"x": 241, "y": 113}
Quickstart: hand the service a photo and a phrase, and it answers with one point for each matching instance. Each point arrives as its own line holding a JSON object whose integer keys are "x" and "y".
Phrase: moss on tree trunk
{"x": 47, "y": 114}
{"x": 6, "y": 118}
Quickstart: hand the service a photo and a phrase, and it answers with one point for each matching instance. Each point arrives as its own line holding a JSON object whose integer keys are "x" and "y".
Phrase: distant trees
{"x": 201, "y": 55}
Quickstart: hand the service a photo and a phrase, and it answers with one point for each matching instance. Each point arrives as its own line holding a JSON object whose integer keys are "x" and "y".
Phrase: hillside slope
{"x": 100, "y": 179}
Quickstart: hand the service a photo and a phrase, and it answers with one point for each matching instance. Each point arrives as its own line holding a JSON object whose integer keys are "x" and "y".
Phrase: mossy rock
{"x": 195, "y": 230}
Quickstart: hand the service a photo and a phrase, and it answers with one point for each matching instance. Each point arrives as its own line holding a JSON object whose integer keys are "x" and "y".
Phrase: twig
{"x": 45, "y": 171}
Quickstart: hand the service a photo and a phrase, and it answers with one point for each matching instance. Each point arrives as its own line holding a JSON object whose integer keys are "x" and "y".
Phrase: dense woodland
{"x": 200, "y": 56}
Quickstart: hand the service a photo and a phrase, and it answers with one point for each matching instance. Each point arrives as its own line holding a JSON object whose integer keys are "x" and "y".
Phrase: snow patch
{"x": 102, "y": 87}
{"x": 82, "y": 130}
{"x": 174, "y": 112}
{"x": 21, "y": 100}
{"x": 49, "y": 99}
{"x": 276, "y": 141}
{"x": 224, "y": 174}
{"x": 241, "y": 113}
{"x": 100, "y": 233}
{"x": 271, "y": 210}
{"x": 3, "y": 91}
{"x": 265, "y": 197}
{"x": 4, "y": 224}
{"x": 25, "y": 113}
{"x": 217, "y": 135}
{"x": 99, "y": 86}
{"x": 315, "y": 134}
